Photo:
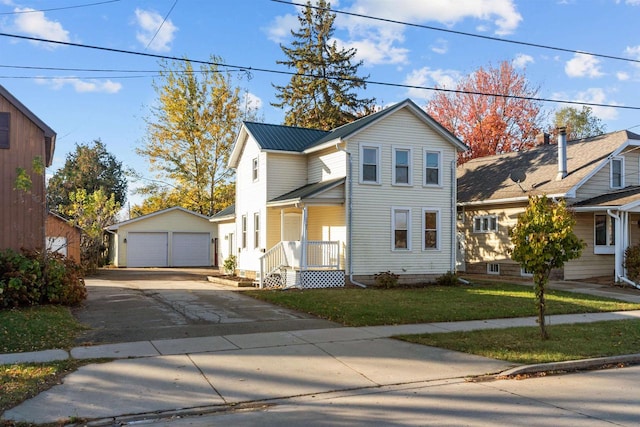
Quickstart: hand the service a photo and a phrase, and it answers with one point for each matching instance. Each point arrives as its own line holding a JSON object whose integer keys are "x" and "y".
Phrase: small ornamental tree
{"x": 543, "y": 239}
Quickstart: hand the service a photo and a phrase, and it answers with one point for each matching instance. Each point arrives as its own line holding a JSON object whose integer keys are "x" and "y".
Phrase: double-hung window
{"x": 244, "y": 231}
{"x": 604, "y": 234}
{"x": 5, "y": 119}
{"x": 485, "y": 223}
{"x": 254, "y": 169}
{"x": 616, "y": 166}
{"x": 401, "y": 229}
{"x": 432, "y": 168}
{"x": 256, "y": 230}
{"x": 402, "y": 166}
{"x": 369, "y": 164}
{"x": 431, "y": 229}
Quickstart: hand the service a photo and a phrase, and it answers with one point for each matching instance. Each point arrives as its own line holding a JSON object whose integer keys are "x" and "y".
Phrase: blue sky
{"x": 85, "y": 105}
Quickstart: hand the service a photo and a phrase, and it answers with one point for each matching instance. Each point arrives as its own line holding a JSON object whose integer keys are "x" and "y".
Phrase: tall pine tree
{"x": 322, "y": 93}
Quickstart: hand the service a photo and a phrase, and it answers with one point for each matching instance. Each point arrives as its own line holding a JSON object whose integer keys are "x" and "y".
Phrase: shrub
{"x": 230, "y": 264}
{"x": 386, "y": 279}
{"x": 30, "y": 278}
{"x": 448, "y": 279}
{"x": 632, "y": 262}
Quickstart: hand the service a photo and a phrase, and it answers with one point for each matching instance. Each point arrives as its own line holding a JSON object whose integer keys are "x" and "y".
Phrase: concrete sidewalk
{"x": 163, "y": 376}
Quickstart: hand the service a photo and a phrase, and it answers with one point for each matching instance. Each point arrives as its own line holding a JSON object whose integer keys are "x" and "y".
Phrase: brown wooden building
{"x": 25, "y": 142}
{"x": 63, "y": 237}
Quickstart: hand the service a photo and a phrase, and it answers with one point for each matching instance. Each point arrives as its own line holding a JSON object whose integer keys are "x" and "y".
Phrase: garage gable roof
{"x": 115, "y": 227}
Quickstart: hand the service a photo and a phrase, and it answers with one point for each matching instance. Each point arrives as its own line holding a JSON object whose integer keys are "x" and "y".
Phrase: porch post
{"x": 303, "y": 239}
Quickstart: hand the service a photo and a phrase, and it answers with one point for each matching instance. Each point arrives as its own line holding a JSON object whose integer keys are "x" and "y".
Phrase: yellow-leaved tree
{"x": 190, "y": 134}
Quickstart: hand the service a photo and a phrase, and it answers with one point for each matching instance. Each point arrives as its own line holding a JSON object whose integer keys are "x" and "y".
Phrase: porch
{"x": 302, "y": 264}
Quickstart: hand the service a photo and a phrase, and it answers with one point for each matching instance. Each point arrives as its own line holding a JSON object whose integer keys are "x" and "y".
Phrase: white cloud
{"x": 595, "y": 96}
{"x": 583, "y": 65}
{"x": 83, "y": 86}
{"x": 501, "y": 13}
{"x": 622, "y": 76}
{"x": 426, "y": 77}
{"x": 149, "y": 23}
{"x": 633, "y": 2}
{"x": 35, "y": 24}
{"x": 377, "y": 51}
{"x": 440, "y": 46}
{"x": 521, "y": 60}
{"x": 280, "y": 29}
{"x": 252, "y": 102}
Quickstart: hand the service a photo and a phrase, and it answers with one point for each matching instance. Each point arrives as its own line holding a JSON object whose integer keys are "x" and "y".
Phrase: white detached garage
{"x": 174, "y": 237}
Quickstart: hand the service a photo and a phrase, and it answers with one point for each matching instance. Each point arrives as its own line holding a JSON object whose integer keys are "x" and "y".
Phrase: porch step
{"x": 236, "y": 282}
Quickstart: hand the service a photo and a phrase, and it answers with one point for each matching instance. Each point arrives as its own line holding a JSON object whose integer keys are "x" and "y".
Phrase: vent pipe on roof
{"x": 562, "y": 153}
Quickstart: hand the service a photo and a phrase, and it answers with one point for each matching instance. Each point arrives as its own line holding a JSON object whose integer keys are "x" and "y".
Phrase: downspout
{"x": 350, "y": 217}
{"x": 454, "y": 218}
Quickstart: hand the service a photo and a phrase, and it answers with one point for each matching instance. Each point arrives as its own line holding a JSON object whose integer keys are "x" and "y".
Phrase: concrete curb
{"x": 570, "y": 365}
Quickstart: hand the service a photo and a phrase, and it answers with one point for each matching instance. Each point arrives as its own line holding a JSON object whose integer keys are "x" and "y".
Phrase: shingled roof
{"x": 518, "y": 175}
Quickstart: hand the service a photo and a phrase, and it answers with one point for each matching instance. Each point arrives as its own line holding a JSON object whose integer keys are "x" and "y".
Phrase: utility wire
{"x": 161, "y": 24}
{"x": 462, "y": 33}
{"x": 59, "y": 8}
{"x": 290, "y": 73}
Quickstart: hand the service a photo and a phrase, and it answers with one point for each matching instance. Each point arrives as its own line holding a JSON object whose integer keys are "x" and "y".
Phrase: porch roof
{"x": 308, "y": 192}
{"x": 624, "y": 199}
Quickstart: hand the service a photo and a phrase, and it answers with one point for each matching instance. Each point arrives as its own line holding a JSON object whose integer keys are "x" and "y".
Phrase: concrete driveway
{"x": 126, "y": 305}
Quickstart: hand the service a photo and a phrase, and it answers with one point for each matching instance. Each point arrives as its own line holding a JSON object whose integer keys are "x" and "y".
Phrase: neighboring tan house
{"x": 174, "y": 237}
{"x": 371, "y": 196}
{"x": 598, "y": 177}
{"x": 63, "y": 237}
{"x": 26, "y": 143}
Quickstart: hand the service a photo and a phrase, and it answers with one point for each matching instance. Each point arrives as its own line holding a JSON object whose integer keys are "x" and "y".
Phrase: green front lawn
{"x": 367, "y": 307}
{"x": 523, "y": 345}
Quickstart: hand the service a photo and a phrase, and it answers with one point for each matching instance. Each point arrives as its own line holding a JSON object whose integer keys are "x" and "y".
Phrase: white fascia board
{"x": 509, "y": 200}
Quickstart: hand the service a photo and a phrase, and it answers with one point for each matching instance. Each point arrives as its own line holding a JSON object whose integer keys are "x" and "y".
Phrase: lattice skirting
{"x": 321, "y": 279}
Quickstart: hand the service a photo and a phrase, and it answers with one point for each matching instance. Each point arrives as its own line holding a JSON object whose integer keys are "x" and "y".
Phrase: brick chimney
{"x": 542, "y": 139}
{"x": 562, "y": 153}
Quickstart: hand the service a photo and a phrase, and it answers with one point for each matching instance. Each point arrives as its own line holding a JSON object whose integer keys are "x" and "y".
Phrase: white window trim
{"x": 524, "y": 273}
{"x": 494, "y": 273}
{"x": 603, "y": 249}
{"x": 438, "y": 229}
{"x": 621, "y": 160}
{"x": 395, "y": 209}
{"x": 255, "y": 169}
{"x": 489, "y": 230}
{"x": 378, "y": 148}
{"x": 410, "y": 171}
{"x": 424, "y": 168}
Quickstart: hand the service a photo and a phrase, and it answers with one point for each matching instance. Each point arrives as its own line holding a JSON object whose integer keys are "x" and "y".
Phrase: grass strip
{"x": 37, "y": 328}
{"x": 368, "y": 307}
{"x": 523, "y": 344}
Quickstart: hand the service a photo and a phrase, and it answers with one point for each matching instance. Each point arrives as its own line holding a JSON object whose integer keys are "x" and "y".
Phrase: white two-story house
{"x": 314, "y": 208}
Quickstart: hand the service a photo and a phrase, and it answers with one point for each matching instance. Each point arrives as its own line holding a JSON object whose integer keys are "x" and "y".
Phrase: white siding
{"x": 226, "y": 241}
{"x": 600, "y": 182}
{"x": 285, "y": 172}
{"x": 251, "y": 197}
{"x": 327, "y": 164}
{"x": 372, "y": 203}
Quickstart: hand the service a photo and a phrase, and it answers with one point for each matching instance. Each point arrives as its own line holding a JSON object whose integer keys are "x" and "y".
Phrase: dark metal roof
{"x": 309, "y": 190}
{"x": 283, "y": 138}
{"x": 226, "y": 212}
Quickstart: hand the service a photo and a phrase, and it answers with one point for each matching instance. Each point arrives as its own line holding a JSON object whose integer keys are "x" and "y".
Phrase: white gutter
{"x": 509, "y": 200}
{"x": 349, "y": 196}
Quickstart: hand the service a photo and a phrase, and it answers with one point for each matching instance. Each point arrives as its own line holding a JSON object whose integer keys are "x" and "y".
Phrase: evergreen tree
{"x": 322, "y": 93}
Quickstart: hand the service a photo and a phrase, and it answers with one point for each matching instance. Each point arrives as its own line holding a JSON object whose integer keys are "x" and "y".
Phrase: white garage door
{"x": 147, "y": 250}
{"x": 191, "y": 249}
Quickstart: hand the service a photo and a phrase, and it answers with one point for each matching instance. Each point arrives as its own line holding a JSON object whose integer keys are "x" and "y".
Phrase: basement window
{"x": 493, "y": 268}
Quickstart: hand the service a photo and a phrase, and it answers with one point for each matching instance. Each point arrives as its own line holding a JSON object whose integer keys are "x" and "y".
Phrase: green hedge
{"x": 32, "y": 278}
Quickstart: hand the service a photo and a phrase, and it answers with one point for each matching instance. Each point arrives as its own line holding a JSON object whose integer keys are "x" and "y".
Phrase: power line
{"x": 289, "y": 73}
{"x": 161, "y": 24}
{"x": 59, "y": 8}
{"x": 462, "y": 33}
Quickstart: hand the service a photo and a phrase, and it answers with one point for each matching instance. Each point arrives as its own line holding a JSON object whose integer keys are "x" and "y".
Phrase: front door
{"x": 291, "y": 226}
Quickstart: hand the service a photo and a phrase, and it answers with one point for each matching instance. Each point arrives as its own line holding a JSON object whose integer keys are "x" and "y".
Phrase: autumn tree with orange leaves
{"x": 492, "y": 110}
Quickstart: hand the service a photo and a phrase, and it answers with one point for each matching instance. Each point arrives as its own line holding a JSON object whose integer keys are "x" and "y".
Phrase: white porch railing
{"x": 320, "y": 255}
